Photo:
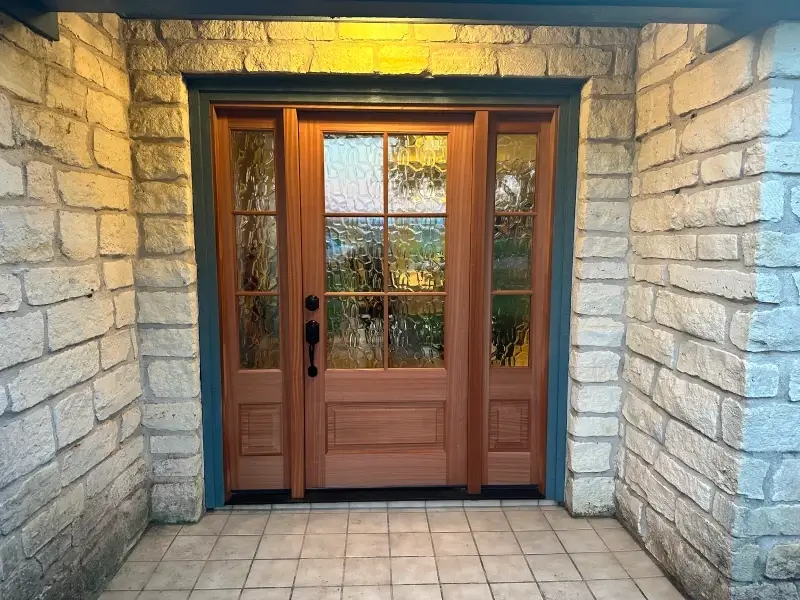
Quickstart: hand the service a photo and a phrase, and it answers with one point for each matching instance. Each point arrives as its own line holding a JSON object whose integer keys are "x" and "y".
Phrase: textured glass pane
{"x": 259, "y": 340}
{"x": 257, "y": 253}
{"x": 416, "y": 253}
{"x": 416, "y": 331}
{"x": 355, "y": 332}
{"x": 511, "y": 268}
{"x": 511, "y": 329}
{"x": 353, "y": 173}
{"x": 417, "y": 173}
{"x": 253, "y": 170}
{"x": 354, "y": 254}
{"x": 515, "y": 171}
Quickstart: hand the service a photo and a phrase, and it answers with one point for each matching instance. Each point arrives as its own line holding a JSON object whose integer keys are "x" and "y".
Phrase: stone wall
{"x": 160, "y": 52}
{"x": 73, "y": 494}
{"x": 706, "y": 475}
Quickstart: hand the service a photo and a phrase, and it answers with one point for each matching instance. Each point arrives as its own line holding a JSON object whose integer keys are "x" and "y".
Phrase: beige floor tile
{"x": 581, "y": 540}
{"x": 506, "y": 569}
{"x": 416, "y": 592}
{"x": 327, "y": 522}
{"x": 527, "y": 520}
{"x": 175, "y": 575}
{"x": 404, "y": 521}
{"x": 287, "y": 522}
{"x": 118, "y": 596}
{"x": 215, "y": 594}
{"x": 319, "y": 572}
{"x": 280, "y": 546}
{"x": 598, "y": 565}
{"x": 150, "y": 548}
{"x": 496, "y": 542}
{"x": 267, "y": 594}
{"x": 565, "y": 590}
{"x": 222, "y": 574}
{"x": 560, "y": 520}
{"x": 324, "y": 545}
{"x": 638, "y": 564}
{"x": 245, "y": 524}
{"x": 212, "y": 524}
{"x": 271, "y": 573}
{"x": 602, "y": 523}
{"x": 618, "y": 540}
{"x": 553, "y": 567}
{"x": 164, "y": 530}
{"x": 317, "y": 593}
{"x": 235, "y": 547}
{"x": 368, "y": 522}
{"x": 367, "y": 544}
{"x": 132, "y": 576}
{"x": 658, "y": 588}
{"x": 413, "y": 570}
{"x": 466, "y": 591}
{"x": 516, "y": 591}
{"x": 367, "y": 571}
{"x": 410, "y": 544}
{"x": 368, "y": 592}
{"x": 615, "y": 589}
{"x": 460, "y": 569}
{"x": 490, "y": 520}
{"x": 190, "y": 547}
{"x": 448, "y": 521}
{"x": 539, "y": 542}
{"x": 454, "y": 544}
{"x": 164, "y": 595}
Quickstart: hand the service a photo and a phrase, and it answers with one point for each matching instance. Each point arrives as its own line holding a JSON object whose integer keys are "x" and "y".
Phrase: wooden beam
{"x": 34, "y": 16}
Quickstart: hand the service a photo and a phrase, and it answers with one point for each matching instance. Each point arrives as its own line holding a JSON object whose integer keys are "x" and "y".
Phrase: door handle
{"x": 312, "y": 339}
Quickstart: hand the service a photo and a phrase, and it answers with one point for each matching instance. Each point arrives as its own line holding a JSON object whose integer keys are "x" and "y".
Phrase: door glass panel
{"x": 416, "y": 331}
{"x": 510, "y": 330}
{"x": 259, "y": 342}
{"x": 416, "y": 253}
{"x": 515, "y": 172}
{"x": 257, "y": 252}
{"x": 354, "y": 254}
{"x": 253, "y": 170}
{"x": 354, "y": 332}
{"x": 353, "y": 173}
{"x": 513, "y": 238}
{"x": 417, "y": 173}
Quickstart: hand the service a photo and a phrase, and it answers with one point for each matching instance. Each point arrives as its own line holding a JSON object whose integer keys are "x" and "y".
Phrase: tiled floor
{"x": 474, "y": 552}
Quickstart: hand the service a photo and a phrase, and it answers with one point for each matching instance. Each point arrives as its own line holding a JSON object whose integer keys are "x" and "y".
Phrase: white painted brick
{"x": 654, "y": 343}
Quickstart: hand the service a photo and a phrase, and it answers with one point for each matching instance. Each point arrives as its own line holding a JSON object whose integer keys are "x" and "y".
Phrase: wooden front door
{"x": 384, "y": 285}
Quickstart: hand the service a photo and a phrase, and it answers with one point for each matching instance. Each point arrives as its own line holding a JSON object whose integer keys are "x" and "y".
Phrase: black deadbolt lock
{"x": 312, "y": 303}
{"x": 312, "y": 339}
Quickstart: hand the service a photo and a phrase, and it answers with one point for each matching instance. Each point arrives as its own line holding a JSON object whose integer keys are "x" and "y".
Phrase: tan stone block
{"x": 665, "y": 69}
{"x": 255, "y": 31}
{"x": 579, "y": 62}
{"x": 125, "y": 309}
{"x": 28, "y": 234}
{"x": 156, "y": 197}
{"x": 139, "y": 30}
{"x": 107, "y": 111}
{"x": 551, "y": 36}
{"x": 118, "y": 273}
{"x": 147, "y": 57}
{"x": 658, "y": 149}
{"x": 722, "y": 167}
{"x": 78, "y": 235}
{"x": 401, "y": 60}
{"x": 624, "y": 61}
{"x": 41, "y": 183}
{"x": 727, "y": 72}
{"x": 86, "y": 32}
{"x": 165, "y": 122}
{"x": 435, "y": 32}
{"x": 92, "y": 190}
{"x": 279, "y": 58}
{"x": 607, "y": 118}
{"x": 645, "y": 54}
{"x": 670, "y": 178}
{"x": 663, "y": 213}
{"x": 607, "y": 36}
{"x": 65, "y": 93}
{"x": 59, "y": 136}
{"x": 167, "y": 236}
{"x": 173, "y": 29}
{"x": 652, "y": 109}
{"x": 374, "y": 31}
{"x": 6, "y": 123}
{"x": 20, "y": 74}
{"x": 11, "y": 180}
{"x": 463, "y": 60}
{"x": 148, "y": 87}
{"x": 112, "y": 24}
{"x": 97, "y": 69}
{"x": 202, "y": 57}
{"x": 669, "y": 38}
{"x": 523, "y": 61}
{"x": 293, "y": 30}
{"x": 342, "y": 58}
{"x": 154, "y": 162}
{"x": 112, "y": 152}
{"x": 118, "y": 235}
{"x": 493, "y": 34}
{"x": 608, "y": 86}
{"x": 611, "y": 158}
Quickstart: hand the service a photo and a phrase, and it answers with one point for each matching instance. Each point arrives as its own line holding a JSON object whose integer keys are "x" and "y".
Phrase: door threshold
{"x": 422, "y": 494}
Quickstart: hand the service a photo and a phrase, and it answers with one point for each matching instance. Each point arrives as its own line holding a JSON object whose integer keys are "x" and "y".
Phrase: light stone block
{"x": 597, "y": 331}
{"x": 660, "y": 496}
{"x": 116, "y": 389}
{"x": 10, "y": 293}
{"x": 672, "y": 246}
{"x": 79, "y": 320}
{"x": 174, "y": 444}
{"x": 783, "y": 562}
{"x": 718, "y": 246}
{"x": 118, "y": 273}
{"x": 640, "y": 302}
{"x": 722, "y": 167}
{"x": 177, "y": 502}
{"x": 11, "y": 180}
{"x": 115, "y": 348}
{"x": 771, "y": 249}
{"x": 131, "y": 419}
{"x": 671, "y": 177}
{"x": 28, "y": 234}
{"x": 578, "y": 62}
{"x": 107, "y": 471}
{"x": 73, "y": 416}
{"x": 91, "y": 190}
{"x": 20, "y": 500}
{"x": 125, "y": 309}
{"x": 771, "y": 428}
{"x": 727, "y": 283}
{"x": 639, "y": 372}
{"x": 598, "y": 299}
{"x": 642, "y": 444}
{"x": 118, "y": 235}
{"x": 655, "y": 274}
{"x": 690, "y": 402}
{"x": 591, "y": 496}
{"x": 596, "y": 366}
{"x": 23, "y": 339}
{"x": 705, "y": 535}
{"x": 112, "y": 152}
{"x": 94, "y": 448}
{"x": 786, "y": 481}
{"x": 657, "y": 149}
{"x": 662, "y": 213}
{"x": 780, "y": 53}
{"x": 593, "y": 246}
{"x": 181, "y": 416}
{"x": 665, "y": 69}
{"x": 78, "y": 235}
{"x": 55, "y": 517}
{"x": 593, "y": 269}
{"x": 699, "y": 317}
{"x": 160, "y": 161}
{"x": 27, "y": 441}
{"x": 703, "y": 455}
{"x": 685, "y": 480}
{"x": 605, "y": 158}
{"x": 176, "y": 467}
{"x": 50, "y": 285}
{"x": 167, "y": 236}
{"x": 40, "y": 182}
{"x": 607, "y": 119}
{"x": 604, "y": 188}
{"x": 58, "y": 136}
{"x": 588, "y": 457}
{"x": 6, "y": 127}
{"x": 603, "y": 216}
{"x": 158, "y": 197}
{"x": 669, "y": 38}
{"x": 174, "y": 378}
{"x": 654, "y": 343}
{"x": 584, "y": 426}
{"x": 163, "y": 122}
{"x": 775, "y": 329}
{"x": 642, "y": 415}
{"x": 652, "y": 109}
{"x": 106, "y": 110}
{"x": 151, "y": 87}
{"x": 596, "y": 398}
{"x": 168, "y": 308}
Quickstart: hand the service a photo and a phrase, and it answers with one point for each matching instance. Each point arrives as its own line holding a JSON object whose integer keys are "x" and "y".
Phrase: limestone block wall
{"x": 73, "y": 494}
{"x": 712, "y": 333}
{"x": 159, "y": 52}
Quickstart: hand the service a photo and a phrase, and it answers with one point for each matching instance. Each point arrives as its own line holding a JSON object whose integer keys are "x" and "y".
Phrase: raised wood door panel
{"x": 388, "y": 406}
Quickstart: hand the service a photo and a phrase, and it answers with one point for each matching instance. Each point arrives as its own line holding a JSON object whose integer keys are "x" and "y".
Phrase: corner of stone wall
{"x": 73, "y": 471}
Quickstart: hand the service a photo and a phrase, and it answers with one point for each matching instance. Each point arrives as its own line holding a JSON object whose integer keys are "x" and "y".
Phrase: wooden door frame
{"x": 377, "y": 93}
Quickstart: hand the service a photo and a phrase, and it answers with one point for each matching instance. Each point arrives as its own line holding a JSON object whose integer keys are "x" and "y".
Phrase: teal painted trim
{"x": 564, "y": 93}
